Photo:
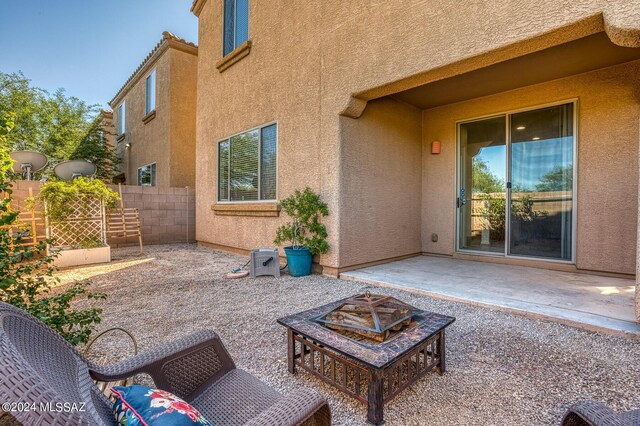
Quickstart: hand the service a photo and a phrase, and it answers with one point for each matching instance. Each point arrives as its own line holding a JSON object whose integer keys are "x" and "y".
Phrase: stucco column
{"x": 638, "y": 250}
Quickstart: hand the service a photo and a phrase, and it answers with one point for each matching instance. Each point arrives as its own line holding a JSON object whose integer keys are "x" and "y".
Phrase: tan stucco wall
{"x": 150, "y": 141}
{"x": 168, "y": 139}
{"x": 182, "y": 125}
{"x": 607, "y": 163}
{"x": 334, "y": 55}
{"x": 382, "y": 180}
{"x": 279, "y": 80}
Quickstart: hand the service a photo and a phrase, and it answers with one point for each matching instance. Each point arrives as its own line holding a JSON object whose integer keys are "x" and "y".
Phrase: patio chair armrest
{"x": 183, "y": 367}
{"x": 592, "y": 413}
{"x": 301, "y": 407}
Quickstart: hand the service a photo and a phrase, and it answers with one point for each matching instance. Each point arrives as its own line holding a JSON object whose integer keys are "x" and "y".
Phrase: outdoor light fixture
{"x": 127, "y": 145}
{"x": 535, "y": 138}
{"x": 435, "y": 147}
{"x": 520, "y": 127}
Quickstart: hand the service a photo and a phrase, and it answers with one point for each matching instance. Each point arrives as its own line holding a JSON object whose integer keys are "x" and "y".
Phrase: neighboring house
{"x": 154, "y": 114}
{"x": 503, "y": 131}
{"x": 108, "y": 132}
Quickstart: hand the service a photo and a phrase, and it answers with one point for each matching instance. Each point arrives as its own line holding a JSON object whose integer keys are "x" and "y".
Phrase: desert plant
{"x": 26, "y": 272}
{"x": 306, "y": 210}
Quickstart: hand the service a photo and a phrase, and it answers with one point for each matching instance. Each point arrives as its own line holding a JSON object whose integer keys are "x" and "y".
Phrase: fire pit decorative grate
{"x": 369, "y": 316}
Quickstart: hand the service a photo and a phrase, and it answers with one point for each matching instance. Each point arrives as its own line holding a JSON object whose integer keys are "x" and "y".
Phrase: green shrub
{"x": 306, "y": 209}
{"x": 26, "y": 272}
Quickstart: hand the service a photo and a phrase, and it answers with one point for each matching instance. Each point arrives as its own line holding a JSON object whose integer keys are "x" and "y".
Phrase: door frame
{"x": 458, "y": 169}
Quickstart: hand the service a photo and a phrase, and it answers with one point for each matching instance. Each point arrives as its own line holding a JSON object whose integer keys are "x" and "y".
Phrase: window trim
{"x": 228, "y": 138}
{"x": 122, "y": 115}
{"x": 148, "y": 111}
{"x": 235, "y": 47}
{"x": 138, "y": 174}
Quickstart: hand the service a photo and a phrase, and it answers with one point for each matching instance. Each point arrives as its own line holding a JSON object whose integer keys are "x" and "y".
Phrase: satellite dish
{"x": 28, "y": 162}
{"x": 71, "y": 169}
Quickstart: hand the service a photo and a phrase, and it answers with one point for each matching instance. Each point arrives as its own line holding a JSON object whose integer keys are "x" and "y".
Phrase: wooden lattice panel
{"x": 85, "y": 226}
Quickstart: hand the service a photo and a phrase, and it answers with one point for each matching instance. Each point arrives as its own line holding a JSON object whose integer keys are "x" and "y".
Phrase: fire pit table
{"x": 371, "y": 347}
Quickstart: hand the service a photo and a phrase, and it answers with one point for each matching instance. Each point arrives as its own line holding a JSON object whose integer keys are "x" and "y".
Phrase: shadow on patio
{"x": 585, "y": 301}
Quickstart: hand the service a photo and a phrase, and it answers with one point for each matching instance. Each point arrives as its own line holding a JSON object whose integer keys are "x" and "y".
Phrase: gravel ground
{"x": 502, "y": 369}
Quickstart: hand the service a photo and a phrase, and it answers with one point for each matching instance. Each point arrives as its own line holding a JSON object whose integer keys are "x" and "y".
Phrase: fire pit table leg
{"x": 441, "y": 352}
{"x": 375, "y": 406}
{"x": 291, "y": 346}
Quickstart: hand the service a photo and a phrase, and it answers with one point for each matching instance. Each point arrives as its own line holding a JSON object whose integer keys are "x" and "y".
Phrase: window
{"x": 236, "y": 24}
{"x": 121, "y": 117}
{"x": 147, "y": 175}
{"x": 247, "y": 165}
{"x": 151, "y": 92}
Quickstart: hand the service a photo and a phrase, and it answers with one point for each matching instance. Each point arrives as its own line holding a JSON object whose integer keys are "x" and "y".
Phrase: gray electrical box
{"x": 264, "y": 262}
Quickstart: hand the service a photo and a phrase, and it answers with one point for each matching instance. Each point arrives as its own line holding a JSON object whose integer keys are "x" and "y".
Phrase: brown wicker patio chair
{"x": 593, "y": 413}
{"x": 38, "y": 366}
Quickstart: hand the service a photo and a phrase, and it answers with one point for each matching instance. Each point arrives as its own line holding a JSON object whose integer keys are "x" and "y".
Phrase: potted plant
{"x": 305, "y": 232}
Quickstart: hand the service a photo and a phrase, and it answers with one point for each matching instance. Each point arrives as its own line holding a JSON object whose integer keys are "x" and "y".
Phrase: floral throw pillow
{"x": 143, "y": 406}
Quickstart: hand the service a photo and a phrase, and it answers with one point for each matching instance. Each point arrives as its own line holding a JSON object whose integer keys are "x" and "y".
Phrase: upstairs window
{"x": 247, "y": 165}
{"x": 236, "y": 24}
{"x": 147, "y": 175}
{"x": 121, "y": 118}
{"x": 151, "y": 92}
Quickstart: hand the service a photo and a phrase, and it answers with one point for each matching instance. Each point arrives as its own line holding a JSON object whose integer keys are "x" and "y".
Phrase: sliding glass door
{"x": 481, "y": 199}
{"x": 515, "y": 184}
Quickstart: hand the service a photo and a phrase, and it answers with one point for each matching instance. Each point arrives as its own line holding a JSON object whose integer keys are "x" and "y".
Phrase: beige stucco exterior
{"x": 608, "y": 113}
{"x": 332, "y": 79}
{"x": 165, "y": 136}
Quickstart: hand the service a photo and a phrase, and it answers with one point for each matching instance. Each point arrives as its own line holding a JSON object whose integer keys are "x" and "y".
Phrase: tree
{"x": 26, "y": 272}
{"x": 557, "y": 179}
{"x": 94, "y": 147}
{"x": 484, "y": 181}
{"x": 59, "y": 126}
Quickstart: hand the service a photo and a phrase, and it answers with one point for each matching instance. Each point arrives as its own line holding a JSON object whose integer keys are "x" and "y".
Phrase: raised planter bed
{"x": 78, "y": 257}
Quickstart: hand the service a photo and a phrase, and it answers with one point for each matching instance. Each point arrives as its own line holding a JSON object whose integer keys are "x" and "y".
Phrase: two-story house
{"x": 154, "y": 117}
{"x": 502, "y": 131}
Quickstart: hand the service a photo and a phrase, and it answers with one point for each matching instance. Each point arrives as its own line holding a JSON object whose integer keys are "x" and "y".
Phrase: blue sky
{"x": 87, "y": 47}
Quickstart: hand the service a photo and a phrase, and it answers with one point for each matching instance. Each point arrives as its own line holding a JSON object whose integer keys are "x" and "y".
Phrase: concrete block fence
{"x": 167, "y": 215}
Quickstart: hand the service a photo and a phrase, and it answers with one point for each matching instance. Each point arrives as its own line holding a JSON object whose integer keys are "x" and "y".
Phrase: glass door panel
{"x": 541, "y": 171}
{"x": 482, "y": 189}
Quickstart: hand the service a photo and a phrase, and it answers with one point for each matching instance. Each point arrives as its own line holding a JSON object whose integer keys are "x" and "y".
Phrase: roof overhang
{"x": 196, "y": 6}
{"x": 168, "y": 41}
{"x": 582, "y": 55}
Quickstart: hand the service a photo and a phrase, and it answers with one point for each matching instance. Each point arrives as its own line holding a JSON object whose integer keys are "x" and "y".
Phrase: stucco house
{"x": 503, "y": 131}
{"x": 154, "y": 117}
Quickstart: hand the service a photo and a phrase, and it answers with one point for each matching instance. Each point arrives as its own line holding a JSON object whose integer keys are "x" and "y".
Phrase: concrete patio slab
{"x": 581, "y": 300}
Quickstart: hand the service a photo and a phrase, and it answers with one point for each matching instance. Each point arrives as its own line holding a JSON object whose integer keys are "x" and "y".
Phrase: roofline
{"x": 196, "y": 7}
{"x": 168, "y": 40}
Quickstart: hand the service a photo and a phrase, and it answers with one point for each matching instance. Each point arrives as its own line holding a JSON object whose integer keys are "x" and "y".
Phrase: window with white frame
{"x": 236, "y": 24}
{"x": 151, "y": 92}
{"x": 147, "y": 175}
{"x": 247, "y": 165}
{"x": 121, "y": 118}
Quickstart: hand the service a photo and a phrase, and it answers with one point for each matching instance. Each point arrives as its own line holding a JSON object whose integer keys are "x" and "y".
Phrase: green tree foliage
{"x": 557, "y": 179}
{"x": 484, "y": 181}
{"x": 26, "y": 272}
{"x": 306, "y": 210}
{"x": 59, "y": 126}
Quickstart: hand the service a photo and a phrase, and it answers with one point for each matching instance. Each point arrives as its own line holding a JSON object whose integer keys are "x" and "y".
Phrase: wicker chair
{"x": 593, "y": 413}
{"x": 38, "y": 366}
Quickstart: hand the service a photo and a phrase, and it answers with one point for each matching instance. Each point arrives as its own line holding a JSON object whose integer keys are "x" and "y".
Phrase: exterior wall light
{"x": 127, "y": 145}
{"x": 435, "y": 147}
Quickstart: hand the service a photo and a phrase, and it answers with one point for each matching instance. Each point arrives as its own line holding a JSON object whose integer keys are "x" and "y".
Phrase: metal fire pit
{"x": 372, "y": 316}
